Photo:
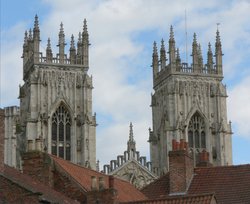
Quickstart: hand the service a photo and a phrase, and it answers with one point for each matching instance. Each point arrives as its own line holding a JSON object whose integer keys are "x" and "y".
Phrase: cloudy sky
{"x": 121, "y": 35}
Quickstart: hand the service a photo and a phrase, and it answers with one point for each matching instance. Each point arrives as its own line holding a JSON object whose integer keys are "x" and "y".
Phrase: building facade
{"x": 56, "y": 100}
{"x": 189, "y": 102}
{"x": 131, "y": 166}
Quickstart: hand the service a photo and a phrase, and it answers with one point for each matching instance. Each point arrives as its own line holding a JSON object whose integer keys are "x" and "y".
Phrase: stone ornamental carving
{"x": 55, "y": 107}
{"x": 194, "y": 99}
{"x": 131, "y": 166}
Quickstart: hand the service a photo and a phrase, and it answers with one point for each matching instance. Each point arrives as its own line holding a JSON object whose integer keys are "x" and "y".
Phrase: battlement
{"x": 161, "y": 70}
{"x": 78, "y": 56}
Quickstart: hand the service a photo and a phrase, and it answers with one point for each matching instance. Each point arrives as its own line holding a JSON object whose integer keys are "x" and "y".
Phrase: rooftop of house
{"x": 200, "y": 198}
{"x": 81, "y": 175}
{"x": 33, "y": 186}
{"x": 230, "y": 184}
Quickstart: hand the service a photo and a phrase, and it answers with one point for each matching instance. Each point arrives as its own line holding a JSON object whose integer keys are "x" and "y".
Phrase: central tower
{"x": 189, "y": 102}
{"x": 56, "y": 99}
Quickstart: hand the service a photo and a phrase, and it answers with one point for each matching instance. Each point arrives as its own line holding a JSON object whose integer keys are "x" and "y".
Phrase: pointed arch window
{"x": 61, "y": 133}
{"x": 196, "y": 134}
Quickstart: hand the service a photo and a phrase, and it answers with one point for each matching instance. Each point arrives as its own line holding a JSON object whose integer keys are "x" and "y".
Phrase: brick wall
{"x": 63, "y": 184}
{"x": 13, "y": 193}
{"x": 39, "y": 166}
{"x": 1, "y": 140}
{"x": 105, "y": 196}
{"x": 181, "y": 168}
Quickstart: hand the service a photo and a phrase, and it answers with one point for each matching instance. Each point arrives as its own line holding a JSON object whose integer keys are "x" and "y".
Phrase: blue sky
{"x": 121, "y": 35}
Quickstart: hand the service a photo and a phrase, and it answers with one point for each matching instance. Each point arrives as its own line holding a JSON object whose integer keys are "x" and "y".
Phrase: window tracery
{"x": 61, "y": 133}
{"x": 196, "y": 134}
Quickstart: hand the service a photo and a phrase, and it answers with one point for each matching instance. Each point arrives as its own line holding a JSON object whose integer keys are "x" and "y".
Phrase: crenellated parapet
{"x": 162, "y": 69}
{"x": 76, "y": 58}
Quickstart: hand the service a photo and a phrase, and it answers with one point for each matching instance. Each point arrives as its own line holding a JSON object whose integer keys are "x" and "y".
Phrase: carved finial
{"x": 79, "y": 37}
{"x": 85, "y": 29}
{"x": 155, "y": 60}
{"x": 163, "y": 55}
{"x": 48, "y": 44}
{"x": 200, "y": 55}
{"x": 162, "y": 45}
{"x": 25, "y": 37}
{"x": 30, "y": 34}
{"x": 36, "y": 24}
{"x": 171, "y": 33}
{"x": 155, "y": 52}
{"x": 49, "y": 55}
{"x": 61, "y": 35}
{"x": 218, "y": 53}
{"x": 195, "y": 39}
{"x": 209, "y": 58}
{"x": 209, "y": 47}
{"x": 178, "y": 58}
{"x": 218, "y": 42}
{"x": 131, "y": 148}
{"x": 61, "y": 44}
{"x": 72, "y": 42}
{"x": 171, "y": 49}
{"x": 131, "y": 134}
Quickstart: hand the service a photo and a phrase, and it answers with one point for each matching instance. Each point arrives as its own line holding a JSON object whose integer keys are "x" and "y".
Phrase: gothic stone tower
{"x": 56, "y": 99}
{"x": 189, "y": 102}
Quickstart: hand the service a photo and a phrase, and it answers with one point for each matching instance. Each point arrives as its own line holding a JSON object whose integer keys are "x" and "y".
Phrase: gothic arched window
{"x": 196, "y": 132}
{"x": 61, "y": 126}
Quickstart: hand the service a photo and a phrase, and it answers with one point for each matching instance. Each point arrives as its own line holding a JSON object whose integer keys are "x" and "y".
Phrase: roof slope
{"x": 231, "y": 184}
{"x": 157, "y": 189}
{"x": 35, "y": 186}
{"x": 82, "y": 176}
{"x": 191, "y": 199}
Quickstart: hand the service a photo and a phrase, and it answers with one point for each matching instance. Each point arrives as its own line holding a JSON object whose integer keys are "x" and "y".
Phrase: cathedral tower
{"x": 189, "y": 102}
{"x": 56, "y": 99}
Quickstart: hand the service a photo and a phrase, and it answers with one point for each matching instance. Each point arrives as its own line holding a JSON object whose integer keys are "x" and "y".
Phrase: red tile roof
{"x": 157, "y": 189}
{"x": 191, "y": 199}
{"x": 35, "y": 186}
{"x": 82, "y": 176}
{"x": 231, "y": 184}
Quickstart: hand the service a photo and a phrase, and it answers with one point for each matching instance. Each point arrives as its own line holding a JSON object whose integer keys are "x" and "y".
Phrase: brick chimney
{"x": 181, "y": 167}
{"x": 1, "y": 140}
{"x": 102, "y": 194}
{"x": 204, "y": 159}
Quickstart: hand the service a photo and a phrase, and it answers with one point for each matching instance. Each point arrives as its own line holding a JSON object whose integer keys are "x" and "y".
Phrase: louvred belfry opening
{"x": 61, "y": 133}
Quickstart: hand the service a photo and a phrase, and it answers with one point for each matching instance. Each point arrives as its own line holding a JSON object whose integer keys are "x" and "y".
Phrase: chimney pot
{"x": 182, "y": 144}
{"x": 177, "y": 146}
{"x": 174, "y": 144}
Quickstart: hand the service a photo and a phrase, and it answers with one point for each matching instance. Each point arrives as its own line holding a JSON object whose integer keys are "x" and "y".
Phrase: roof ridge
{"x": 71, "y": 163}
{"x": 220, "y": 167}
{"x": 53, "y": 156}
